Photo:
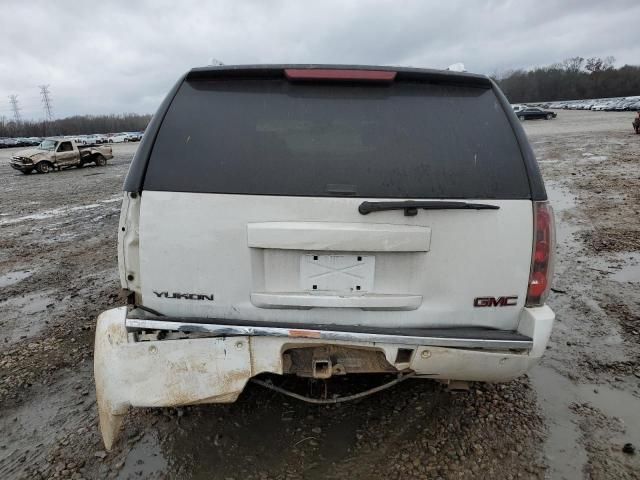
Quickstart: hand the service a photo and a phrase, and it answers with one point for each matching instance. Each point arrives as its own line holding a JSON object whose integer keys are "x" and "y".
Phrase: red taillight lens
{"x": 541, "y": 253}
{"x": 537, "y": 285}
{"x": 381, "y": 76}
{"x": 542, "y": 257}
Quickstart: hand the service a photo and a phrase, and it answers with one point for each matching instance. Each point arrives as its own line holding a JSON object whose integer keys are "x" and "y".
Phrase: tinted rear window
{"x": 272, "y": 137}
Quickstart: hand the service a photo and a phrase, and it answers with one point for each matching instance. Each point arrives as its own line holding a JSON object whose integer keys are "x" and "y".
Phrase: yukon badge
{"x": 495, "y": 302}
{"x": 184, "y": 296}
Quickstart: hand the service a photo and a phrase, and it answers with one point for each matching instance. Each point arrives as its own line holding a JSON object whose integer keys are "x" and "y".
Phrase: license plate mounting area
{"x": 337, "y": 273}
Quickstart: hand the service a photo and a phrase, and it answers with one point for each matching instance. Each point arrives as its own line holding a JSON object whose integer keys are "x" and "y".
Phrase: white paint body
{"x": 243, "y": 249}
{"x": 252, "y": 253}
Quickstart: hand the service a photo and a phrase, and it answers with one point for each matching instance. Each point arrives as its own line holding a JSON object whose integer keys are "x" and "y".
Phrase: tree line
{"x": 575, "y": 78}
{"x": 76, "y": 125}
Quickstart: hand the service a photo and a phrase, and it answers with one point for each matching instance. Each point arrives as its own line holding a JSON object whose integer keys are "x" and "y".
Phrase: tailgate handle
{"x": 411, "y": 207}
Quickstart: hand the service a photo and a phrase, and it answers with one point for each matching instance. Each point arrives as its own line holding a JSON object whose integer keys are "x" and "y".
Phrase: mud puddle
{"x": 56, "y": 212}
{"x": 564, "y": 451}
{"x": 144, "y": 460}
{"x": 618, "y": 404}
{"x": 587, "y": 156}
{"x": 629, "y": 273}
{"x": 621, "y": 267}
{"x": 12, "y": 278}
{"x": 21, "y": 317}
{"x": 562, "y": 201}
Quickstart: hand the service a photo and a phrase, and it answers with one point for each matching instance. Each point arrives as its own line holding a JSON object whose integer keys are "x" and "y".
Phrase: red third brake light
{"x": 542, "y": 255}
{"x": 340, "y": 75}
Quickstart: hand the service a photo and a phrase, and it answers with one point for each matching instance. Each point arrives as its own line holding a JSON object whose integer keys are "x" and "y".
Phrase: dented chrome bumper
{"x": 216, "y": 367}
{"x": 444, "y": 337}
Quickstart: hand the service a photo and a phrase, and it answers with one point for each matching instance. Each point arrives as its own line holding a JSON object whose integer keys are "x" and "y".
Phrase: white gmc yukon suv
{"x": 325, "y": 220}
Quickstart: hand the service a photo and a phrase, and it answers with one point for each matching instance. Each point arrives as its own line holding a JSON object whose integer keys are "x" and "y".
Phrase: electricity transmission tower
{"x": 46, "y": 102}
{"x": 13, "y": 100}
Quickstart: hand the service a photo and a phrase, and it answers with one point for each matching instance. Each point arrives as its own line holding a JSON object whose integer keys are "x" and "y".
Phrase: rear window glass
{"x": 272, "y": 137}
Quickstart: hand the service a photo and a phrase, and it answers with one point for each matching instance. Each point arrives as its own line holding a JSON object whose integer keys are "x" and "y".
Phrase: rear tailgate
{"x": 250, "y": 205}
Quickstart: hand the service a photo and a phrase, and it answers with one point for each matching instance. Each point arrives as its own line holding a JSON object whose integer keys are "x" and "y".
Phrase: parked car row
{"x": 19, "y": 142}
{"x": 79, "y": 139}
{"x": 602, "y": 104}
{"x": 108, "y": 138}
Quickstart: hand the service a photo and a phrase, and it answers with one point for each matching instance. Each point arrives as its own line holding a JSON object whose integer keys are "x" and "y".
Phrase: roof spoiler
{"x": 278, "y": 71}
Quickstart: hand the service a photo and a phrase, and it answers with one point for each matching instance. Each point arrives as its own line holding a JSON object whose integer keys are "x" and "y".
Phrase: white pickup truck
{"x": 55, "y": 154}
{"x": 320, "y": 221}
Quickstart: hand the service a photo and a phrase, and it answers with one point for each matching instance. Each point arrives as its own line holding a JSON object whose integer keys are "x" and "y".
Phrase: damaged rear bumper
{"x": 215, "y": 367}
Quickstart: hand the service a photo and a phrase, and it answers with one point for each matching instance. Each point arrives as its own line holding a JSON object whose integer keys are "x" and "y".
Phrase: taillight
{"x": 544, "y": 242}
{"x": 329, "y": 74}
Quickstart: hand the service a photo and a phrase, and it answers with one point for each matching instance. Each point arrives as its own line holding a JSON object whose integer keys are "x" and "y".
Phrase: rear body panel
{"x": 454, "y": 257}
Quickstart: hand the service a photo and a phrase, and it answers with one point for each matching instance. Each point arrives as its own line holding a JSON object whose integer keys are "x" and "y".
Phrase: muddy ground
{"x": 569, "y": 418}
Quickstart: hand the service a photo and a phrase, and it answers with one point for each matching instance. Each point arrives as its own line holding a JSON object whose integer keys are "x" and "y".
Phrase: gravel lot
{"x": 569, "y": 418}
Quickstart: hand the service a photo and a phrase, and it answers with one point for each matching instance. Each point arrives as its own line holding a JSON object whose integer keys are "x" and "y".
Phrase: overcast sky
{"x": 122, "y": 56}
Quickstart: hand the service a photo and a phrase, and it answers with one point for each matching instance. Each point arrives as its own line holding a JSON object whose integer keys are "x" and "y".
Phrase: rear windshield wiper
{"x": 411, "y": 207}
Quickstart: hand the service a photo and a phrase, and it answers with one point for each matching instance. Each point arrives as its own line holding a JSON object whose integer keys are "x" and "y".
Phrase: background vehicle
{"x": 518, "y": 108}
{"x": 10, "y": 143}
{"x": 27, "y": 142}
{"x": 55, "y": 154}
{"x": 133, "y": 137}
{"x": 118, "y": 138}
{"x": 325, "y": 229}
{"x": 613, "y": 106}
{"x": 533, "y": 113}
{"x": 89, "y": 140}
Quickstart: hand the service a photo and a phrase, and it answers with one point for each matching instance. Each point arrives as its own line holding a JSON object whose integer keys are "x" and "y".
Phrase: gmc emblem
{"x": 495, "y": 302}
